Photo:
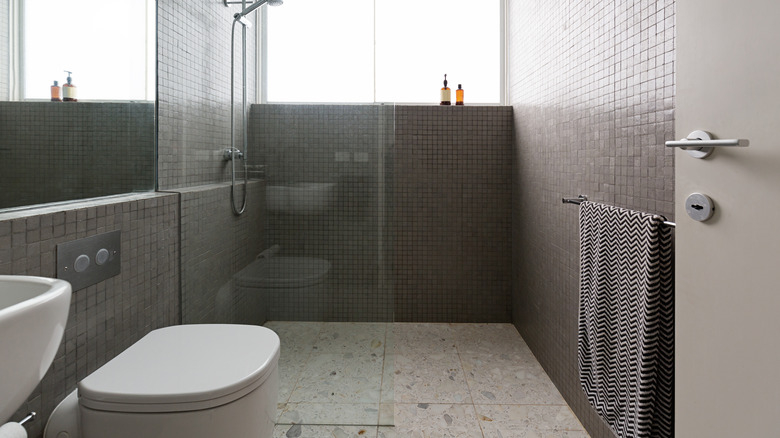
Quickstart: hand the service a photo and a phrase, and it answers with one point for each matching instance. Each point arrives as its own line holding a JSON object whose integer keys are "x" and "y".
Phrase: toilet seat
{"x": 283, "y": 272}
{"x": 183, "y": 368}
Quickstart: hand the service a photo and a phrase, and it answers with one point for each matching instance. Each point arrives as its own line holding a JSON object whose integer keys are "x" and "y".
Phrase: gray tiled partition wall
{"x": 592, "y": 86}
{"x": 106, "y": 318}
{"x": 451, "y": 217}
{"x": 215, "y": 245}
{"x": 347, "y": 146}
{"x": 419, "y": 229}
{"x": 193, "y": 43}
{"x": 57, "y": 151}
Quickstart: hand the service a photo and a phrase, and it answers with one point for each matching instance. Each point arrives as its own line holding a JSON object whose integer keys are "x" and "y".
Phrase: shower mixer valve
{"x": 230, "y": 153}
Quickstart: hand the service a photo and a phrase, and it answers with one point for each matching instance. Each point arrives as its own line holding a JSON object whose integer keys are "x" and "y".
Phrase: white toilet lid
{"x": 183, "y": 368}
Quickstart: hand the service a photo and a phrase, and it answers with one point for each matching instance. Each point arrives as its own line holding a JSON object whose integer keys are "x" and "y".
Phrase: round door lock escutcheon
{"x": 699, "y": 207}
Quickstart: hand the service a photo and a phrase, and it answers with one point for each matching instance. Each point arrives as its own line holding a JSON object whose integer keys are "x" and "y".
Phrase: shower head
{"x": 256, "y": 5}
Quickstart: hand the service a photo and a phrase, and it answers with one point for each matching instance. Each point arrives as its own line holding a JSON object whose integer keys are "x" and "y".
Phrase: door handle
{"x": 700, "y": 144}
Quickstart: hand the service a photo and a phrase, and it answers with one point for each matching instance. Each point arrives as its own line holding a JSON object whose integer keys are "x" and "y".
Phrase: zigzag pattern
{"x": 626, "y": 319}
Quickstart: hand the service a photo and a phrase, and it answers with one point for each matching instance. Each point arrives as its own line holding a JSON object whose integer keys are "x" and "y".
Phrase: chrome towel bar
{"x": 582, "y": 198}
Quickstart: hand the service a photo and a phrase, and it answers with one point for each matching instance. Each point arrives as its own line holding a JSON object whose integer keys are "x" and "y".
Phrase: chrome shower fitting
{"x": 230, "y": 153}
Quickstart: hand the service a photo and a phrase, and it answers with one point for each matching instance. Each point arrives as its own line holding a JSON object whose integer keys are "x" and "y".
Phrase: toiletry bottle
{"x": 69, "y": 90}
{"x": 55, "y": 92}
{"x": 459, "y": 96}
{"x": 445, "y": 93}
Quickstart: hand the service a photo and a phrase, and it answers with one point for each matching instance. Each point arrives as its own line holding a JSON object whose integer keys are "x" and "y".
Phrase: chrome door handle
{"x": 699, "y": 144}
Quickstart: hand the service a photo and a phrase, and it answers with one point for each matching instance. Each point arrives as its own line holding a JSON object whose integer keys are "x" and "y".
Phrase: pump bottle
{"x": 446, "y": 94}
{"x": 69, "y": 90}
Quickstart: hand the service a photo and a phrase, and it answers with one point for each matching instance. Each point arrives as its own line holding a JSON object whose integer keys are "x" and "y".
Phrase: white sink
{"x": 300, "y": 198}
{"x": 33, "y": 313}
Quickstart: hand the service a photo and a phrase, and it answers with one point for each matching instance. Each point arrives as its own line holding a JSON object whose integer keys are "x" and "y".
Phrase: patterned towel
{"x": 626, "y": 321}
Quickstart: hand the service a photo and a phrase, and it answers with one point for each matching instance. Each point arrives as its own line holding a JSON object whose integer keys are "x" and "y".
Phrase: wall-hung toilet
{"x": 293, "y": 288}
{"x": 192, "y": 381}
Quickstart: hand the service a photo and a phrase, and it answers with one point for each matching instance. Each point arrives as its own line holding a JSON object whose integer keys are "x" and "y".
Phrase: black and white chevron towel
{"x": 626, "y": 321}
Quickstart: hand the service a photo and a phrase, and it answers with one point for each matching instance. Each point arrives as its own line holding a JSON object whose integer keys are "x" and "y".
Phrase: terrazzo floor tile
{"x": 340, "y": 378}
{"x": 423, "y": 338}
{"x": 347, "y": 373}
{"x": 306, "y": 431}
{"x": 351, "y": 337}
{"x": 429, "y": 378}
{"x": 291, "y": 366}
{"x": 423, "y": 420}
{"x": 296, "y": 336}
{"x": 329, "y": 413}
{"x": 488, "y": 339}
{"x": 527, "y": 420}
{"x": 387, "y": 394}
{"x": 508, "y": 379}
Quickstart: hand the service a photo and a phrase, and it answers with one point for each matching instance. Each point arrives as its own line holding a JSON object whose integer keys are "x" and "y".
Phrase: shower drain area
{"x": 414, "y": 379}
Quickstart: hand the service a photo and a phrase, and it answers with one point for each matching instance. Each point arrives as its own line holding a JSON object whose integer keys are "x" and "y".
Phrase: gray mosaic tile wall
{"x": 451, "y": 214}
{"x": 108, "y": 317}
{"x": 62, "y": 151}
{"x": 194, "y": 128}
{"x": 4, "y": 45}
{"x": 344, "y": 149}
{"x": 215, "y": 245}
{"x": 592, "y": 86}
{"x": 418, "y": 227}
{"x": 193, "y": 74}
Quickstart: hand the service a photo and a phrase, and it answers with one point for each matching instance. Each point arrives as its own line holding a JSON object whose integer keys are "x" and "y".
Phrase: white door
{"x": 728, "y": 268}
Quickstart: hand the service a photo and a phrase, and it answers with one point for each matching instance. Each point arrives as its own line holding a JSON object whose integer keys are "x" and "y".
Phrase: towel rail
{"x": 582, "y": 198}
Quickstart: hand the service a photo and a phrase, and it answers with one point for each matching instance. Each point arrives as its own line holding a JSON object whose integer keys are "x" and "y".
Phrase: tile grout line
{"x": 465, "y": 379}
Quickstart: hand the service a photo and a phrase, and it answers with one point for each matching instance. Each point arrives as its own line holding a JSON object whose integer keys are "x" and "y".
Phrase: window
{"x": 108, "y": 45}
{"x": 365, "y": 51}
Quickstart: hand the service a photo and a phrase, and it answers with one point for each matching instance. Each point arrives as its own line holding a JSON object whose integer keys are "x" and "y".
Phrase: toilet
{"x": 293, "y": 288}
{"x": 193, "y": 381}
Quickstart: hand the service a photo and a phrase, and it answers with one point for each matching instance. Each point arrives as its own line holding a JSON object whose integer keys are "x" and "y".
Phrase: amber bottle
{"x": 55, "y": 92}
{"x": 459, "y": 96}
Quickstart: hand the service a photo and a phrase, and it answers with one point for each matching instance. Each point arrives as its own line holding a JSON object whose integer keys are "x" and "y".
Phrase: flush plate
{"x": 90, "y": 260}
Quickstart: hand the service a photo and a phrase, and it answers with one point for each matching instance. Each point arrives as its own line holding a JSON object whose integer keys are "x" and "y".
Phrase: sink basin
{"x": 33, "y": 313}
{"x": 300, "y": 198}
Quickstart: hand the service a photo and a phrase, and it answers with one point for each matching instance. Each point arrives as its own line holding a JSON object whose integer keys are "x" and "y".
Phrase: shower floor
{"x": 414, "y": 380}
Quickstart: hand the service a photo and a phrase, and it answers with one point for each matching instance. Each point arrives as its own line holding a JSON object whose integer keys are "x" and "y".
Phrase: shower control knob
{"x": 699, "y": 207}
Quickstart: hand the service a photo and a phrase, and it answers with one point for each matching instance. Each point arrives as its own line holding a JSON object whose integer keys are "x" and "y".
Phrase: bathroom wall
{"x": 346, "y": 146}
{"x": 193, "y": 54}
{"x": 61, "y": 151}
{"x": 419, "y": 229}
{"x": 194, "y": 129}
{"x": 216, "y": 244}
{"x": 592, "y": 87}
{"x": 106, "y": 318}
{"x": 451, "y": 215}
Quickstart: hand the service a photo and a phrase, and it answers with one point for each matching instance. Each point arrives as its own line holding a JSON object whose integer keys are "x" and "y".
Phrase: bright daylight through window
{"x": 363, "y": 51}
{"x": 108, "y": 45}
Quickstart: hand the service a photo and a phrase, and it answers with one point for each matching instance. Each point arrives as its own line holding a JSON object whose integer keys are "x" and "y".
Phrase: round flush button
{"x": 82, "y": 263}
{"x": 102, "y": 256}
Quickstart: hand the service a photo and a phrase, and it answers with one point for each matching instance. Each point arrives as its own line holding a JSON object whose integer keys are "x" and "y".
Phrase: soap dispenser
{"x": 55, "y": 92}
{"x": 69, "y": 90}
{"x": 446, "y": 94}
